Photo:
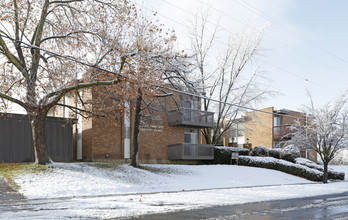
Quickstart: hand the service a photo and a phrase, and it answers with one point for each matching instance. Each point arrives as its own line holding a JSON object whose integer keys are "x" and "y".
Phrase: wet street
{"x": 13, "y": 206}
{"x": 320, "y": 207}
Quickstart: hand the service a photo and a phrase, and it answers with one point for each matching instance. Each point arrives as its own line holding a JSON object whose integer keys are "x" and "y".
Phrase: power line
{"x": 223, "y": 43}
{"x": 306, "y": 79}
{"x": 158, "y": 86}
{"x": 276, "y": 22}
{"x": 278, "y": 40}
{"x": 283, "y": 27}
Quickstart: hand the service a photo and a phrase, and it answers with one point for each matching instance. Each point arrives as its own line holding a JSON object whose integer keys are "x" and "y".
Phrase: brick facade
{"x": 259, "y": 127}
{"x": 103, "y": 139}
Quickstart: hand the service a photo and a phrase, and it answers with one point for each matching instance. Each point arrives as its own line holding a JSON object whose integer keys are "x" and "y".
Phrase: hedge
{"x": 331, "y": 173}
{"x": 302, "y": 168}
{"x": 275, "y": 153}
{"x": 222, "y": 155}
{"x": 281, "y": 165}
{"x": 259, "y": 151}
{"x": 290, "y": 153}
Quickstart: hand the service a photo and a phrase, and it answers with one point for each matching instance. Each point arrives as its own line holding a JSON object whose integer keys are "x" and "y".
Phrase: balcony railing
{"x": 191, "y": 118}
{"x": 187, "y": 151}
{"x": 281, "y": 131}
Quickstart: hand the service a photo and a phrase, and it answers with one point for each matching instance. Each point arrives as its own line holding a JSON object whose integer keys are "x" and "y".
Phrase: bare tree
{"x": 325, "y": 130}
{"x": 156, "y": 63}
{"x": 230, "y": 78}
{"x": 45, "y": 46}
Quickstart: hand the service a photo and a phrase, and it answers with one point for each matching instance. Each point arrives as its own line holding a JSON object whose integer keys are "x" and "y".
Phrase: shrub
{"x": 307, "y": 169}
{"x": 260, "y": 151}
{"x": 275, "y": 153}
{"x": 290, "y": 153}
{"x": 222, "y": 155}
{"x": 331, "y": 173}
{"x": 281, "y": 165}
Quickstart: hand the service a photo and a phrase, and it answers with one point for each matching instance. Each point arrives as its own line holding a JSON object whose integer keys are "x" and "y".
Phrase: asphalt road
{"x": 333, "y": 206}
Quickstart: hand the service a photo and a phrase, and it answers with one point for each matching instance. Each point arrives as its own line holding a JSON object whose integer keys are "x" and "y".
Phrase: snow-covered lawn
{"x": 83, "y": 179}
{"x": 157, "y": 188}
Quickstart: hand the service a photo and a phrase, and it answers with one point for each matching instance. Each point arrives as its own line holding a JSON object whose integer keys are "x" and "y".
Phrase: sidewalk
{"x": 7, "y": 194}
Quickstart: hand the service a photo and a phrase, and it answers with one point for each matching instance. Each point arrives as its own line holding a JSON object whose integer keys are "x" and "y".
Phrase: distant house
{"x": 267, "y": 127}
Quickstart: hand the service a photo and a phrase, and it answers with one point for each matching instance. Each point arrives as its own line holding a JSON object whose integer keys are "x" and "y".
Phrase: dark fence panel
{"x": 16, "y": 140}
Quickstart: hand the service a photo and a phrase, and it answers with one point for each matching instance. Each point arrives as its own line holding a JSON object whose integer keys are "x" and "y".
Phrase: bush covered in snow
{"x": 259, "y": 151}
{"x": 290, "y": 153}
{"x": 303, "y": 167}
{"x": 282, "y": 165}
{"x": 332, "y": 174}
{"x": 222, "y": 155}
{"x": 275, "y": 153}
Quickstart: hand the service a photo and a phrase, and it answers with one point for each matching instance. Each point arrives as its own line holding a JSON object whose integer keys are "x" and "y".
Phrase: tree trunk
{"x": 135, "y": 162}
{"x": 325, "y": 176}
{"x": 38, "y": 129}
{"x": 206, "y": 134}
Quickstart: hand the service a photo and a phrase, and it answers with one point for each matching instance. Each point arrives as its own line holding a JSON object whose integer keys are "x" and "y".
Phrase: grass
{"x": 119, "y": 167}
{"x": 154, "y": 169}
{"x": 9, "y": 170}
{"x": 106, "y": 165}
{"x": 163, "y": 170}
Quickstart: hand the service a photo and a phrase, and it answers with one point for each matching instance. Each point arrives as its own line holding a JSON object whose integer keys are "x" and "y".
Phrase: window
{"x": 237, "y": 133}
{"x": 277, "y": 120}
{"x": 240, "y": 132}
{"x": 191, "y": 136}
{"x": 191, "y": 103}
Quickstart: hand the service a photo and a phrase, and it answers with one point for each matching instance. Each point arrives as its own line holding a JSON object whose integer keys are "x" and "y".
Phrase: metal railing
{"x": 281, "y": 131}
{"x": 191, "y": 117}
{"x": 187, "y": 151}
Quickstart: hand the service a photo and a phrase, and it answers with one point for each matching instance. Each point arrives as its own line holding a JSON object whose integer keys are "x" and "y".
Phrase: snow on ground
{"x": 82, "y": 179}
{"x": 126, "y": 189}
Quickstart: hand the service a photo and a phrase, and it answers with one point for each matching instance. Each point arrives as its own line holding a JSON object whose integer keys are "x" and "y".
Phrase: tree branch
{"x": 59, "y": 94}
{"x": 12, "y": 58}
{"x": 65, "y": 36}
{"x": 11, "y": 99}
{"x": 75, "y": 109}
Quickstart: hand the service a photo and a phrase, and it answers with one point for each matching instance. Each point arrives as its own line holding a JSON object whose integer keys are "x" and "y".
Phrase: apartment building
{"x": 267, "y": 127}
{"x": 169, "y": 135}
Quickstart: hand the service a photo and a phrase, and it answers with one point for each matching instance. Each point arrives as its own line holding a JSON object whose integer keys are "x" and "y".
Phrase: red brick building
{"x": 171, "y": 135}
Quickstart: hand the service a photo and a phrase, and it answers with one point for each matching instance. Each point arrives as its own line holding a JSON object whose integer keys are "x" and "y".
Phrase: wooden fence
{"x": 16, "y": 140}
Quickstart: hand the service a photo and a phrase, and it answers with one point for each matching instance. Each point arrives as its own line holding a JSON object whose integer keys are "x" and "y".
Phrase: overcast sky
{"x": 304, "y": 48}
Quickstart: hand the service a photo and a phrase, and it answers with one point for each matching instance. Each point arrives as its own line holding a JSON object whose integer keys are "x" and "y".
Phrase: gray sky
{"x": 305, "y": 42}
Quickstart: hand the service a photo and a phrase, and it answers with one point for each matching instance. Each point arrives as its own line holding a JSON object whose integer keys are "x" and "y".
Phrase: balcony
{"x": 191, "y": 118}
{"x": 187, "y": 151}
{"x": 281, "y": 131}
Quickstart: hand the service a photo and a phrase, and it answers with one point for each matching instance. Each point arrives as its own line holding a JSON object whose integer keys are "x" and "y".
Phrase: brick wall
{"x": 259, "y": 128}
{"x": 290, "y": 120}
{"x": 107, "y": 139}
{"x": 103, "y": 136}
{"x": 154, "y": 140}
